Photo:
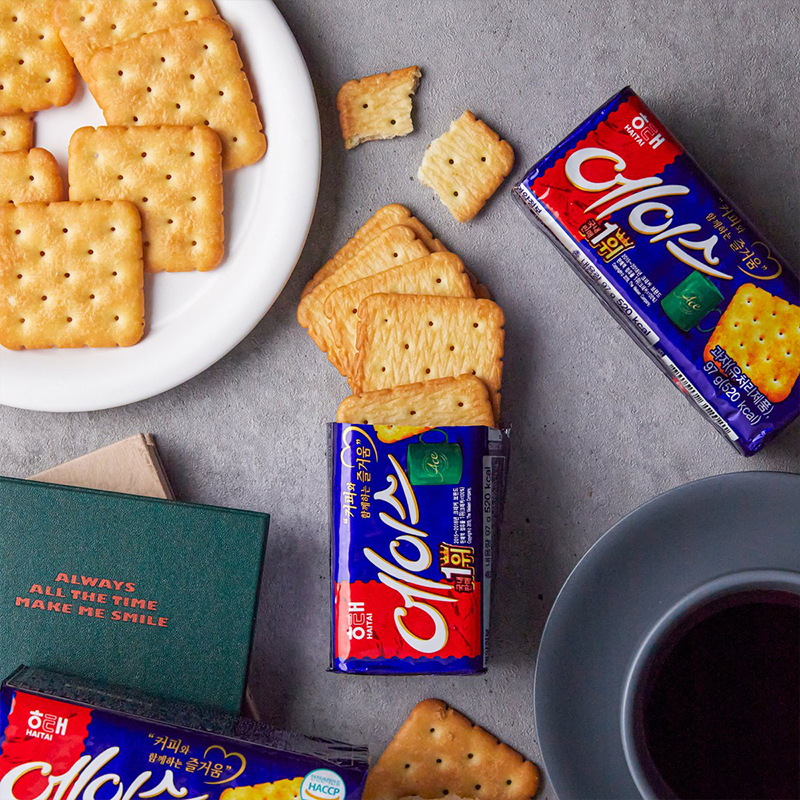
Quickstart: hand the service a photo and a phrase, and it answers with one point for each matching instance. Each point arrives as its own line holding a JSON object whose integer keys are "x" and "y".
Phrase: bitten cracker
{"x": 71, "y": 275}
{"x": 436, "y": 274}
{"x": 386, "y": 217}
{"x": 466, "y": 165}
{"x": 187, "y": 75}
{"x": 36, "y": 71}
{"x": 86, "y": 26}
{"x": 16, "y": 132}
{"x": 405, "y": 338}
{"x": 173, "y": 174}
{"x": 377, "y": 107}
{"x": 286, "y": 789}
{"x": 761, "y": 333}
{"x": 445, "y": 401}
{"x": 392, "y": 248}
{"x": 30, "y": 176}
{"x": 439, "y": 753}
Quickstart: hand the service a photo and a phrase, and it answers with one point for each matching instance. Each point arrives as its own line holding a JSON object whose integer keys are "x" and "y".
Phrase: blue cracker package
{"x": 679, "y": 266}
{"x": 62, "y": 738}
{"x": 415, "y": 513}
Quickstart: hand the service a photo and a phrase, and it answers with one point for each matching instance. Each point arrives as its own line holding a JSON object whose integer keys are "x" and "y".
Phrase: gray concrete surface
{"x": 597, "y": 430}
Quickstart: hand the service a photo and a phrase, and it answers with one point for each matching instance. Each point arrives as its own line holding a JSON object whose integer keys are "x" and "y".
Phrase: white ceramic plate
{"x": 194, "y": 319}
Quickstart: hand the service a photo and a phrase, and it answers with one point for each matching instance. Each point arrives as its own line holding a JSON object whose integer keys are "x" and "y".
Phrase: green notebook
{"x": 154, "y": 594}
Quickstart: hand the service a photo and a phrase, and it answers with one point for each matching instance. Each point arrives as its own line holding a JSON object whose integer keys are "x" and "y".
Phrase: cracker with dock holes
{"x": 392, "y": 248}
{"x": 377, "y": 107}
{"x": 71, "y": 275}
{"x": 286, "y": 789}
{"x": 86, "y": 26}
{"x": 444, "y": 401}
{"x": 173, "y": 174}
{"x": 405, "y": 338}
{"x": 30, "y": 176}
{"x": 761, "y": 333}
{"x": 466, "y": 165}
{"x": 383, "y": 218}
{"x": 36, "y": 71}
{"x": 16, "y": 132}
{"x": 439, "y": 753}
{"x": 190, "y": 74}
{"x": 436, "y": 274}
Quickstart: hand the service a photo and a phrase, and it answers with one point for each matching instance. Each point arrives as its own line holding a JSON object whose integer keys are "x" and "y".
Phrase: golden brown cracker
{"x": 439, "y": 753}
{"x": 36, "y": 71}
{"x": 436, "y": 274}
{"x": 466, "y": 165}
{"x": 16, "y": 132}
{"x": 444, "y": 401}
{"x": 173, "y": 174}
{"x": 377, "y": 107}
{"x": 71, "y": 275}
{"x": 761, "y": 333}
{"x": 30, "y": 176}
{"x": 383, "y": 218}
{"x": 286, "y": 789}
{"x": 391, "y": 248}
{"x": 405, "y": 338}
{"x": 190, "y": 74}
{"x": 86, "y": 26}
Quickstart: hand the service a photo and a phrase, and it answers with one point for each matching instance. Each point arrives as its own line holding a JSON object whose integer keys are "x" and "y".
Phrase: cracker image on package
{"x": 391, "y": 248}
{"x": 36, "y": 71}
{"x": 191, "y": 74}
{"x": 286, "y": 789}
{"x": 445, "y": 401}
{"x": 16, "y": 132}
{"x": 377, "y": 107}
{"x": 679, "y": 266}
{"x": 436, "y": 274}
{"x": 71, "y": 275}
{"x": 760, "y": 334}
{"x": 438, "y": 752}
{"x": 30, "y": 176}
{"x": 86, "y": 26}
{"x": 381, "y": 220}
{"x": 466, "y": 165}
{"x": 173, "y": 174}
{"x": 408, "y": 338}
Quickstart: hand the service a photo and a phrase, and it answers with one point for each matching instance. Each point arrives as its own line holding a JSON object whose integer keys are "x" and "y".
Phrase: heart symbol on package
{"x": 225, "y": 756}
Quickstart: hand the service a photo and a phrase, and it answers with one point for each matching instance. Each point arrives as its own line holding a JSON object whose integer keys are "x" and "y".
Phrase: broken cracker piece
{"x": 404, "y": 338}
{"x": 439, "y": 753}
{"x": 445, "y": 401}
{"x": 377, "y": 107}
{"x": 466, "y": 165}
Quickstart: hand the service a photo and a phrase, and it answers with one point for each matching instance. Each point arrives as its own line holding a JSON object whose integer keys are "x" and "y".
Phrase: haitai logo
{"x": 322, "y": 784}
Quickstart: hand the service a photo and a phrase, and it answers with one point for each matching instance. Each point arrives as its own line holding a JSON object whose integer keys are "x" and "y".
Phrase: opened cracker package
{"x": 63, "y": 738}
{"x": 415, "y": 514}
{"x": 680, "y": 267}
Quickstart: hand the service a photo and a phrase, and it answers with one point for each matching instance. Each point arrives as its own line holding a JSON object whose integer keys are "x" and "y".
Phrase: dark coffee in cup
{"x": 718, "y": 711}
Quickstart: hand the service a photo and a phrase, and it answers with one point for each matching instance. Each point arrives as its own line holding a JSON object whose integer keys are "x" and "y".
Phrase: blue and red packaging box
{"x": 414, "y": 518}
{"x": 696, "y": 285}
{"x": 63, "y": 738}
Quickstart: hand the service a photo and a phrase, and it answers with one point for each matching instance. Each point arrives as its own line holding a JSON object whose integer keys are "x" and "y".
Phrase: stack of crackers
{"x": 145, "y": 193}
{"x": 411, "y": 330}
